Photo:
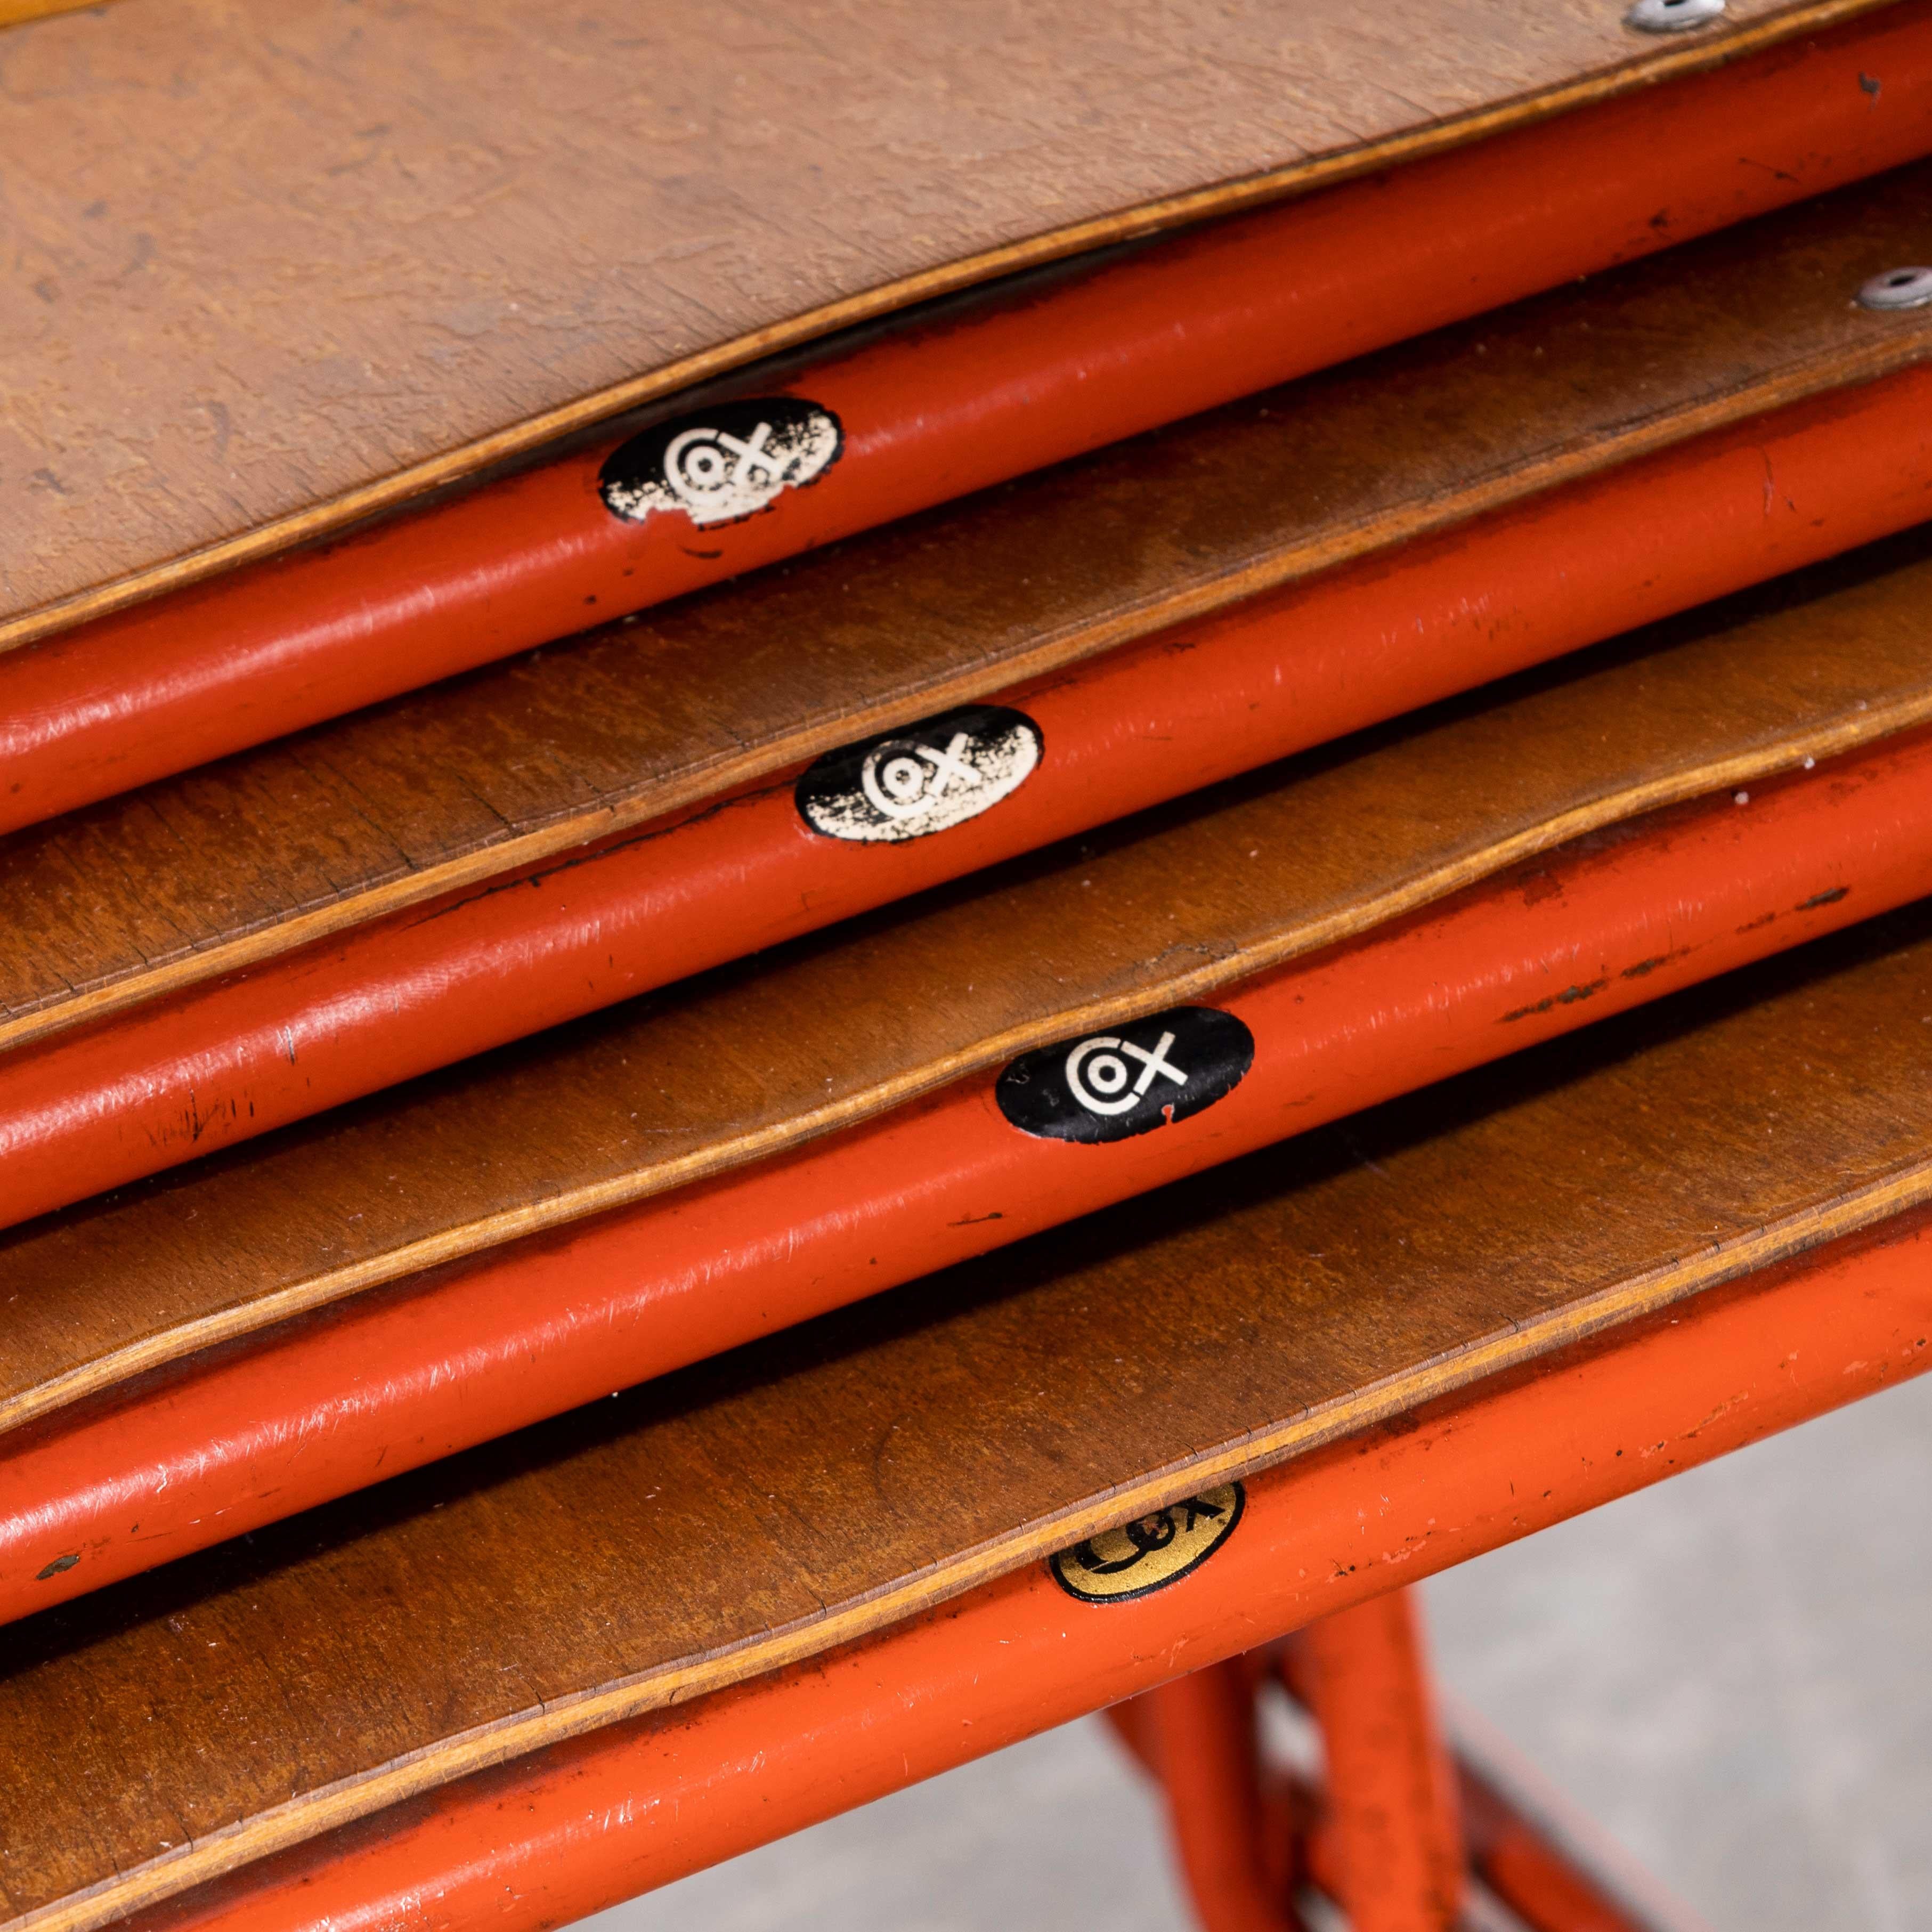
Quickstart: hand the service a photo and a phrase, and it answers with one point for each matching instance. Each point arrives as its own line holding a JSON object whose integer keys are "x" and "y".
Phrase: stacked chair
{"x": 1229, "y": 902}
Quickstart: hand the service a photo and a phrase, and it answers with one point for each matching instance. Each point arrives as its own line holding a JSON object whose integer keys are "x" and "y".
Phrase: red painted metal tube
{"x": 1006, "y": 384}
{"x": 1263, "y": 1825}
{"x": 1292, "y": 1849}
{"x": 89, "y": 1109}
{"x": 1394, "y": 1837}
{"x": 1553, "y": 1868}
{"x": 400, "y": 1376}
{"x": 1544, "y": 1891}
{"x": 567, "y": 1832}
{"x": 1205, "y": 1722}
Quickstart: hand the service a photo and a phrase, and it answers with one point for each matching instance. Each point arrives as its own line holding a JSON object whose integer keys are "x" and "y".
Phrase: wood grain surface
{"x": 355, "y": 252}
{"x": 818, "y": 1036}
{"x": 772, "y": 1503}
{"x": 12, "y": 13}
{"x": 200, "y": 875}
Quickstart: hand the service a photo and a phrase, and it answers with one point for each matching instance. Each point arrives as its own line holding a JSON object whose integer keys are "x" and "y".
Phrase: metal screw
{"x": 1897, "y": 288}
{"x": 1672, "y": 16}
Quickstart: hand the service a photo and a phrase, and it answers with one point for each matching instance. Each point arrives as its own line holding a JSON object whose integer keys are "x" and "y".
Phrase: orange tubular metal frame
{"x": 1394, "y": 1832}
{"x": 569, "y": 1830}
{"x": 104, "y": 1103}
{"x": 1202, "y": 1736}
{"x": 402, "y": 1375}
{"x": 1249, "y": 1834}
{"x": 1553, "y": 1868}
{"x": 996, "y": 386}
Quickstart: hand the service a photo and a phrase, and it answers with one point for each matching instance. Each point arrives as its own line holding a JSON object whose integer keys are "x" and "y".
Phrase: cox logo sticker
{"x": 922, "y": 779}
{"x": 1151, "y": 1552}
{"x": 1112, "y": 1086}
{"x": 725, "y": 464}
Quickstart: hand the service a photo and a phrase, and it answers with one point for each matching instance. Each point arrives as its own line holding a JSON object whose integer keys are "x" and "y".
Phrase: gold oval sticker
{"x": 1152, "y": 1551}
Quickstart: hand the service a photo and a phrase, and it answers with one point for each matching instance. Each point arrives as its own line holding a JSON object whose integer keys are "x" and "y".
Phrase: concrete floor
{"x": 1732, "y": 1672}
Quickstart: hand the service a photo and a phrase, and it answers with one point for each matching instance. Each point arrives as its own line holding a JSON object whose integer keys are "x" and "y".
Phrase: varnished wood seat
{"x": 1563, "y": 157}
{"x": 820, "y": 1125}
{"x": 665, "y": 1357}
{"x": 844, "y": 1477}
{"x": 249, "y": 943}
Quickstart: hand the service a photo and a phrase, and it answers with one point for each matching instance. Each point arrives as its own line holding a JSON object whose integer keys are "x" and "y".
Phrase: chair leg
{"x": 1201, "y": 1730}
{"x": 1395, "y": 1836}
{"x": 1400, "y": 1819}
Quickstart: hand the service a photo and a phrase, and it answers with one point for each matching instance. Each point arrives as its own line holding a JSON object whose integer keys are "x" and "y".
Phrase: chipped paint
{"x": 730, "y": 462}
{"x": 922, "y": 779}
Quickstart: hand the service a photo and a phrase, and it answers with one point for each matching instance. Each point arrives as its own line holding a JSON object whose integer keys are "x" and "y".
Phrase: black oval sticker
{"x": 1111, "y": 1086}
{"x": 921, "y": 779}
{"x": 1151, "y": 1552}
{"x": 729, "y": 462}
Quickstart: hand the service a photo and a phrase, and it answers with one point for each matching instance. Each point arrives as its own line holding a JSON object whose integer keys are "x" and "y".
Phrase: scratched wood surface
{"x": 345, "y": 245}
{"x": 772, "y": 1502}
{"x": 741, "y": 1064}
{"x": 199, "y": 875}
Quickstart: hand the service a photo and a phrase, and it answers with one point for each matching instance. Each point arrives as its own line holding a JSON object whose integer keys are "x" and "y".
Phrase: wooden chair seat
{"x": 573, "y": 1828}
{"x": 841, "y": 1478}
{"x": 244, "y": 945}
{"x": 1182, "y": 1195}
{"x": 612, "y": 1202}
{"x": 302, "y": 441}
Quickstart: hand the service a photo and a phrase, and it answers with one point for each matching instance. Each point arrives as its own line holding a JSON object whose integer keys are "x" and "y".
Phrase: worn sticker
{"x": 1151, "y": 1552}
{"x": 1146, "y": 1074}
{"x": 728, "y": 463}
{"x": 921, "y": 779}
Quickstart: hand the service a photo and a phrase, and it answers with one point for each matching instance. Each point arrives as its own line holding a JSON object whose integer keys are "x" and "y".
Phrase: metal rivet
{"x": 1672, "y": 16}
{"x": 1897, "y": 288}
